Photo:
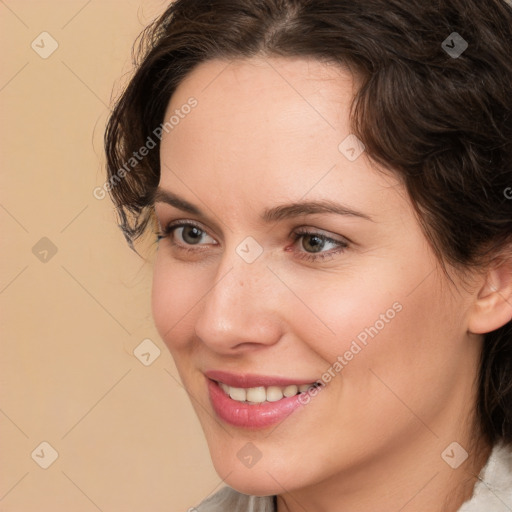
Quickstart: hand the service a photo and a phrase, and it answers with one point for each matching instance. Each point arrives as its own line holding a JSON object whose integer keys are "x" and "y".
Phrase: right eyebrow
{"x": 280, "y": 212}
{"x": 164, "y": 196}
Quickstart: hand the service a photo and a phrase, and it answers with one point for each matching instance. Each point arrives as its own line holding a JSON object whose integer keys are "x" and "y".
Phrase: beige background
{"x": 125, "y": 433}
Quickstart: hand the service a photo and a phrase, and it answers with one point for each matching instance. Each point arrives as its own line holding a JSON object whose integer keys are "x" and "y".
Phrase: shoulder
{"x": 229, "y": 499}
{"x": 493, "y": 490}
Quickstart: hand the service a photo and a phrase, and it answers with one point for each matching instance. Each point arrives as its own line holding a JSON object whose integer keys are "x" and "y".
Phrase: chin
{"x": 262, "y": 479}
{"x": 254, "y": 484}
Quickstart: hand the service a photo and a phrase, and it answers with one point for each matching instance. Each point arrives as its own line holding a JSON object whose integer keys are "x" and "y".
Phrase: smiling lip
{"x": 252, "y": 381}
{"x": 245, "y": 415}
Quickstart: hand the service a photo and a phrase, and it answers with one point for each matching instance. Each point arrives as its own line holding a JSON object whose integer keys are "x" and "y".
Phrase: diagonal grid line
{"x": 301, "y": 300}
{"x": 313, "y": 186}
{"x": 281, "y": 422}
{"x": 222, "y": 481}
{"x": 417, "y": 286}
{"x": 13, "y": 279}
{"x": 198, "y": 301}
{"x": 74, "y": 218}
{"x": 81, "y": 491}
{"x": 424, "y": 424}
{"x": 215, "y": 215}
{"x": 13, "y": 217}
{"x": 14, "y": 423}
{"x": 300, "y": 95}
{"x": 96, "y": 300}
{"x": 215, "y": 77}
{"x": 503, "y": 297}
{"x": 75, "y": 15}
{"x": 104, "y": 395}
{"x": 192, "y": 397}
{"x": 5, "y": 495}
{"x": 408, "y": 501}
{"x": 278, "y": 425}
{"x": 19, "y": 19}
{"x": 307, "y": 192}
{"x": 85, "y": 85}
{"x": 287, "y": 492}
{"x": 497, "y": 497}
{"x": 14, "y": 76}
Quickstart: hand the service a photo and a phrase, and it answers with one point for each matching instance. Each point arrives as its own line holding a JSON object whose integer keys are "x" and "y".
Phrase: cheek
{"x": 175, "y": 292}
{"x": 383, "y": 326}
{"x": 402, "y": 351}
{"x": 345, "y": 314}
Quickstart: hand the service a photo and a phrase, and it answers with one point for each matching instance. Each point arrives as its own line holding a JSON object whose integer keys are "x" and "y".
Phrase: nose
{"x": 241, "y": 310}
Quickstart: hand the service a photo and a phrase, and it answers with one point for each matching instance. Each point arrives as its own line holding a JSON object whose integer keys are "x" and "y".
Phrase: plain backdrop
{"x": 115, "y": 434}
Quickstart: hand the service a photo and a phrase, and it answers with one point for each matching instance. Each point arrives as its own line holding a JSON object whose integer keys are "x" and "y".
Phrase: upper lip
{"x": 238, "y": 380}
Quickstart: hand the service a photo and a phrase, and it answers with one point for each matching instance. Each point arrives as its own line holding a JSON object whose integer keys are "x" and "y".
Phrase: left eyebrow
{"x": 292, "y": 210}
{"x": 269, "y": 215}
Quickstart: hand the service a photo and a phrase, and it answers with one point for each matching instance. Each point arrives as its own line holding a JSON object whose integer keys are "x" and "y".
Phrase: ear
{"x": 493, "y": 305}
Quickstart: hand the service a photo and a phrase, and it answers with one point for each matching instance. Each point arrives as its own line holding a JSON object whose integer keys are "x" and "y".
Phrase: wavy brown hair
{"x": 441, "y": 123}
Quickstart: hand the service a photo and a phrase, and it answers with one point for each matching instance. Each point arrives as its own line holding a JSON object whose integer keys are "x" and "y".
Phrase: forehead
{"x": 258, "y": 108}
{"x": 263, "y": 131}
{"x": 247, "y": 102}
{"x": 274, "y": 77}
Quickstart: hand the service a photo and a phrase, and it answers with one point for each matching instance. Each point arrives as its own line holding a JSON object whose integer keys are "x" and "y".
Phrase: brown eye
{"x": 313, "y": 243}
{"x": 191, "y": 234}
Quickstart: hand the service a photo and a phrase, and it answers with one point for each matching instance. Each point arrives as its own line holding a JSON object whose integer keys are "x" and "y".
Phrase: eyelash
{"x": 171, "y": 227}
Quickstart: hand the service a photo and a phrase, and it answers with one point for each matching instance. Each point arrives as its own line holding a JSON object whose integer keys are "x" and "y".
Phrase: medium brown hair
{"x": 441, "y": 122}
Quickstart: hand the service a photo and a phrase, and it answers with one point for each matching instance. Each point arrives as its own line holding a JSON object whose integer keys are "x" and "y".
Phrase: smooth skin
{"x": 265, "y": 132}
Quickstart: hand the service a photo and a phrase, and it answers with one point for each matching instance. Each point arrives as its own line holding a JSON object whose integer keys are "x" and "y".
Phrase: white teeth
{"x": 274, "y": 393}
{"x": 260, "y": 394}
{"x": 238, "y": 394}
{"x": 256, "y": 394}
{"x": 290, "y": 390}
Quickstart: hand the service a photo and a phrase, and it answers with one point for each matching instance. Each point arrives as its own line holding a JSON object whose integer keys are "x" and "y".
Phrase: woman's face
{"x": 245, "y": 297}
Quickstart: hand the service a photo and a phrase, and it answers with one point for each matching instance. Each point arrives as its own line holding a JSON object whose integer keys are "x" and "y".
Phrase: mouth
{"x": 261, "y": 394}
{"x": 253, "y": 402}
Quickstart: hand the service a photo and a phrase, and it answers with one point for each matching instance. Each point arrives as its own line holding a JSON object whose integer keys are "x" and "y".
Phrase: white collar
{"x": 493, "y": 490}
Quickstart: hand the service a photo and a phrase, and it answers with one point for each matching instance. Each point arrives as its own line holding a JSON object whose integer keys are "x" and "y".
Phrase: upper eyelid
{"x": 182, "y": 222}
{"x": 175, "y": 224}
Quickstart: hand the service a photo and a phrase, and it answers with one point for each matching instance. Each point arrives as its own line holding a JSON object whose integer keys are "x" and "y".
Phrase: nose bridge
{"x": 238, "y": 307}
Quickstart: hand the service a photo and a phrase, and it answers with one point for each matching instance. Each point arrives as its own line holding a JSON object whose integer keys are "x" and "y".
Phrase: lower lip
{"x": 246, "y": 415}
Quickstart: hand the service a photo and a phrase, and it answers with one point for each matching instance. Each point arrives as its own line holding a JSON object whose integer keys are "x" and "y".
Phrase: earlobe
{"x": 493, "y": 305}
